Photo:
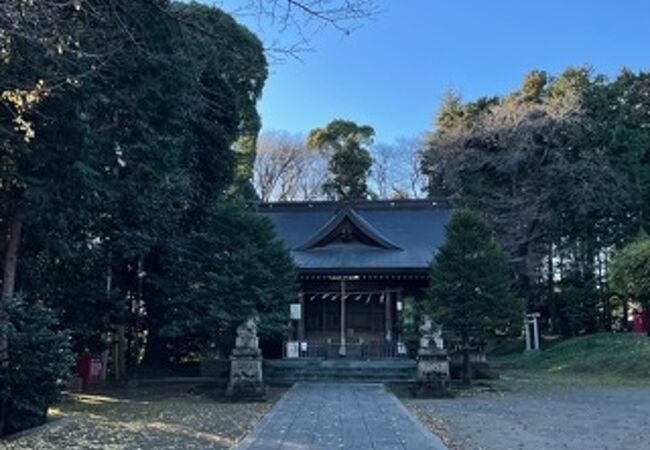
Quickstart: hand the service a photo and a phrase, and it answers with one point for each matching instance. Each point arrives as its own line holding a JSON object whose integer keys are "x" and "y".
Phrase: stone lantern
{"x": 432, "y": 379}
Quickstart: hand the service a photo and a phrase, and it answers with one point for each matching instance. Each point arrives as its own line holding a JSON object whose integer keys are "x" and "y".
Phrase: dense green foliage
{"x": 470, "y": 285}
{"x": 346, "y": 145}
{"x": 119, "y": 178}
{"x": 138, "y": 156}
{"x": 560, "y": 168}
{"x": 39, "y": 360}
{"x": 233, "y": 268}
{"x": 630, "y": 270}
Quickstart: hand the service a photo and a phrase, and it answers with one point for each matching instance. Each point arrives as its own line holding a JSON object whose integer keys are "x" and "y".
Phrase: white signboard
{"x": 293, "y": 349}
{"x": 295, "y": 311}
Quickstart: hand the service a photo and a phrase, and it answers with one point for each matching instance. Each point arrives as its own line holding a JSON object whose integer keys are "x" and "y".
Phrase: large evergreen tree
{"x": 218, "y": 276}
{"x": 538, "y": 163}
{"x": 116, "y": 168}
{"x": 345, "y": 144}
{"x": 131, "y": 157}
{"x": 470, "y": 292}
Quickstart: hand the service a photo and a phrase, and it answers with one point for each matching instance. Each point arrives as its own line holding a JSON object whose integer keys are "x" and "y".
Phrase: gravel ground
{"x": 541, "y": 417}
{"x": 170, "y": 418}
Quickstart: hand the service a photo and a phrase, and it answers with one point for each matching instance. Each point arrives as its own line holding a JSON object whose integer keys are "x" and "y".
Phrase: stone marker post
{"x": 432, "y": 363}
{"x": 246, "y": 379}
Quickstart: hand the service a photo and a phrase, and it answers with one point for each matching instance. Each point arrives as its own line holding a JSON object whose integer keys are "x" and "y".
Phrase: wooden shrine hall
{"x": 359, "y": 264}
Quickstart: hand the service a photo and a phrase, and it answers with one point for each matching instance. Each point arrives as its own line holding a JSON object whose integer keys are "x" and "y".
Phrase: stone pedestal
{"x": 246, "y": 378}
{"x": 432, "y": 379}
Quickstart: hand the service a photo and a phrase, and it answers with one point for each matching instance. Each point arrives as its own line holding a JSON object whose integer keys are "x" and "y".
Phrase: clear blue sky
{"x": 392, "y": 72}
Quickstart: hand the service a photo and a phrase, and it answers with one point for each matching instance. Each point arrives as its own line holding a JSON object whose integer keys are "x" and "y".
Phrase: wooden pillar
{"x": 388, "y": 316}
{"x": 626, "y": 312}
{"x": 398, "y": 314}
{"x": 342, "y": 347}
{"x": 323, "y": 314}
{"x": 301, "y": 322}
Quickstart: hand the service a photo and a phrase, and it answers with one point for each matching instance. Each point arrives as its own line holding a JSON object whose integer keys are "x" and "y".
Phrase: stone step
{"x": 323, "y": 370}
{"x": 339, "y": 371}
{"x": 367, "y": 364}
{"x": 334, "y": 375}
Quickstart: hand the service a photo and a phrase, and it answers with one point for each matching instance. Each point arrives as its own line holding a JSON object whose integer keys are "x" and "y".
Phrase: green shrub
{"x": 411, "y": 320}
{"x": 39, "y": 361}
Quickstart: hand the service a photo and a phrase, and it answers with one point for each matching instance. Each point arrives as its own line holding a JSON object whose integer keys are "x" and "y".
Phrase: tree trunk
{"x": 524, "y": 276}
{"x": 646, "y": 316}
{"x": 121, "y": 352}
{"x": 8, "y": 291}
{"x": 552, "y": 306}
{"x": 608, "y": 302}
{"x": 467, "y": 378}
{"x": 138, "y": 315}
{"x": 602, "y": 291}
{"x": 9, "y": 281}
{"x": 607, "y": 314}
{"x": 156, "y": 352}
{"x": 11, "y": 256}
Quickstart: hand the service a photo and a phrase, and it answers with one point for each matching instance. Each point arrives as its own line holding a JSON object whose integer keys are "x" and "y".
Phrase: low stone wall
{"x": 217, "y": 369}
{"x": 478, "y": 364}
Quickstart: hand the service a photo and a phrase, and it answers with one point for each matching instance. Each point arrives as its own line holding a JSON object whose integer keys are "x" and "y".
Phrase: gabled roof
{"x": 361, "y": 236}
{"x": 360, "y": 231}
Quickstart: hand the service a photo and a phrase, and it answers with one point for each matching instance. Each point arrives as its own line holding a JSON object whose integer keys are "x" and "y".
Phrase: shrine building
{"x": 360, "y": 264}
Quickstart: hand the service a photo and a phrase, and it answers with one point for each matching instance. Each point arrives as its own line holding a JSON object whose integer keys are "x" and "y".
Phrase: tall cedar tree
{"x": 470, "y": 290}
{"x": 345, "y": 144}
{"x": 220, "y": 275}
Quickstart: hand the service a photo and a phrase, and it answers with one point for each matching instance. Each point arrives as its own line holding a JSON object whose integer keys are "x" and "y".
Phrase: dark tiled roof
{"x": 402, "y": 235}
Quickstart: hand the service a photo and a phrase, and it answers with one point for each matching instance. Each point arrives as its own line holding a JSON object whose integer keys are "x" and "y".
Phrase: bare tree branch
{"x": 396, "y": 169}
{"x": 289, "y": 26}
{"x": 285, "y": 169}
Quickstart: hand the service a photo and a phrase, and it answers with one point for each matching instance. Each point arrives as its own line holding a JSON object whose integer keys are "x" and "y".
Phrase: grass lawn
{"x": 161, "y": 418}
{"x": 600, "y": 358}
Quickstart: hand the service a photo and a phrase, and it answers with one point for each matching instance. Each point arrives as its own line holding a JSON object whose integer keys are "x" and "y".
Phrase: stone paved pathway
{"x": 549, "y": 417}
{"x": 350, "y": 416}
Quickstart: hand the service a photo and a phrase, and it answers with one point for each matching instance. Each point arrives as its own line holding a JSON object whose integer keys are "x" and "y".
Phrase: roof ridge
{"x": 359, "y": 204}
